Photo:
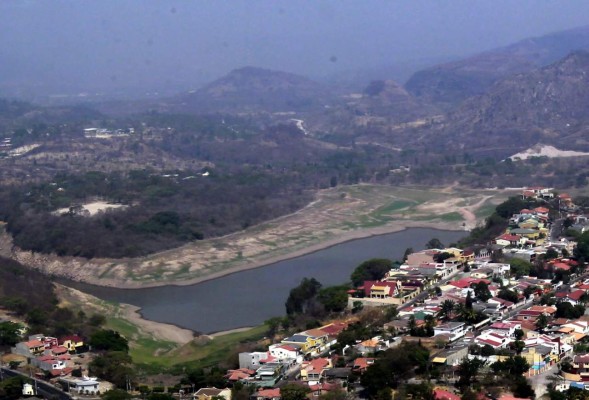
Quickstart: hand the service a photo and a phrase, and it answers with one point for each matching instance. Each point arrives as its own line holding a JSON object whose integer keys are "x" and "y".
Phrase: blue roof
{"x": 296, "y": 338}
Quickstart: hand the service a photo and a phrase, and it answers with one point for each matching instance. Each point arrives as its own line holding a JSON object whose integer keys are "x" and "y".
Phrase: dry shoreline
{"x": 338, "y": 215}
{"x": 344, "y": 238}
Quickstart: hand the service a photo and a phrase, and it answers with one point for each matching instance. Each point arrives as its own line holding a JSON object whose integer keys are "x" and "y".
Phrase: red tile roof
{"x": 369, "y": 284}
{"x": 440, "y": 394}
{"x": 73, "y": 338}
{"x": 268, "y": 393}
{"x": 562, "y": 266}
{"x": 509, "y": 238}
{"x": 467, "y": 282}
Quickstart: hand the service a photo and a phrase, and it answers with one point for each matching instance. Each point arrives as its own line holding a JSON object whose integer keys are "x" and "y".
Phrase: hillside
{"x": 251, "y": 89}
{"x": 449, "y": 84}
{"x": 547, "y": 105}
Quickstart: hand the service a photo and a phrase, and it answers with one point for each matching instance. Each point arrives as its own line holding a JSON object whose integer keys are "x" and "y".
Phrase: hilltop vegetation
{"x": 163, "y": 211}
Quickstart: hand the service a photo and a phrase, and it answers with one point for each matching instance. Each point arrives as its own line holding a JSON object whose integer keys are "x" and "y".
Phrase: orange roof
{"x": 34, "y": 343}
{"x": 270, "y": 393}
{"x": 440, "y": 394}
{"x": 363, "y": 362}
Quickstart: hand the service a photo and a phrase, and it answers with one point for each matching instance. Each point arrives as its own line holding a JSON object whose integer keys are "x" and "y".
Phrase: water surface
{"x": 250, "y": 297}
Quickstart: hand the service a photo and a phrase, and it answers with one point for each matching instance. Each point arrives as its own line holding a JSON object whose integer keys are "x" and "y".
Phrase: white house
{"x": 454, "y": 330}
{"x": 283, "y": 352}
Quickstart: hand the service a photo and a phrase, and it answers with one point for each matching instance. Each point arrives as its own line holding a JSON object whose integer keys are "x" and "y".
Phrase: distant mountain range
{"x": 252, "y": 89}
{"x": 451, "y": 83}
{"x": 548, "y": 105}
{"x": 495, "y": 103}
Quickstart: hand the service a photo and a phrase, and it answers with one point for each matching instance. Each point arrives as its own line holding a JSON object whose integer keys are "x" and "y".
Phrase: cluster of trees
{"x": 309, "y": 302}
{"x": 113, "y": 363}
{"x": 393, "y": 367}
{"x": 163, "y": 212}
{"x": 371, "y": 270}
{"x": 29, "y": 294}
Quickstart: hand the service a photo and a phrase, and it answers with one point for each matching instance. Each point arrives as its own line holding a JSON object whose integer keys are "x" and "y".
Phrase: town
{"x": 504, "y": 320}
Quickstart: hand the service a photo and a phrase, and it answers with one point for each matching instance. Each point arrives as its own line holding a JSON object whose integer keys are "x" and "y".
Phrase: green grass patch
{"x": 199, "y": 355}
{"x": 485, "y": 210}
{"x": 394, "y": 207}
{"x": 122, "y": 326}
{"x": 451, "y": 217}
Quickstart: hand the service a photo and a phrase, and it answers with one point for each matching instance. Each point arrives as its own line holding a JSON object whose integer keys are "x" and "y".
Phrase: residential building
{"x": 209, "y": 393}
{"x": 454, "y": 330}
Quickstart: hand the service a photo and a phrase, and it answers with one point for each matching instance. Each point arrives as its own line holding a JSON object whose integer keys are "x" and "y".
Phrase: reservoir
{"x": 250, "y": 297}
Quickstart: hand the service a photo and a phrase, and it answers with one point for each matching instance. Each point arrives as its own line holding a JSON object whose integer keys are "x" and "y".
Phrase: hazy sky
{"x": 181, "y": 44}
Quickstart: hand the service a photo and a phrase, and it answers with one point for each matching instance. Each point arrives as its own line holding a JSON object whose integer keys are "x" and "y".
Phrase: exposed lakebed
{"x": 250, "y": 297}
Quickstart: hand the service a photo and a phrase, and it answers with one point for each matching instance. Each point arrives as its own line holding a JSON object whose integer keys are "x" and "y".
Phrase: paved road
{"x": 43, "y": 388}
{"x": 540, "y": 382}
{"x": 556, "y": 230}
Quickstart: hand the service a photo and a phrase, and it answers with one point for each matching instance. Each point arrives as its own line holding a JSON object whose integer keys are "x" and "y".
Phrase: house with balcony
{"x": 453, "y": 330}
{"x": 306, "y": 344}
{"x": 314, "y": 371}
{"x": 29, "y": 348}
{"x": 284, "y": 352}
{"x": 380, "y": 290}
{"x": 509, "y": 240}
{"x": 581, "y": 366}
{"x": 73, "y": 343}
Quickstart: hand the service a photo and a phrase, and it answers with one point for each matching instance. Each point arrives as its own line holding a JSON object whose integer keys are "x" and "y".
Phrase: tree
{"x": 468, "y": 301}
{"x": 518, "y": 346}
{"x": 411, "y": 324}
{"x": 550, "y": 254}
{"x": 408, "y": 251}
{"x": 116, "y": 394}
{"x": 522, "y": 388}
{"x": 301, "y": 296}
{"x": 520, "y": 267}
{"x": 446, "y": 308}
{"x": 508, "y": 295}
{"x": 273, "y": 325}
{"x": 422, "y": 391}
{"x": 11, "y": 388}
{"x": 394, "y": 366}
{"x": 581, "y": 251}
{"x": 109, "y": 340}
{"x": 9, "y": 333}
{"x": 487, "y": 351}
{"x": 434, "y": 243}
{"x": 482, "y": 292}
{"x": 391, "y": 312}
{"x": 541, "y": 323}
{"x": 113, "y": 366}
{"x": 468, "y": 371}
{"x": 334, "y": 298}
{"x": 294, "y": 391}
{"x": 528, "y": 291}
{"x": 370, "y": 270}
{"x": 567, "y": 310}
{"x": 441, "y": 257}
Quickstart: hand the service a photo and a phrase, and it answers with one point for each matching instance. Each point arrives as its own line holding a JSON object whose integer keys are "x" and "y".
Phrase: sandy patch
{"x": 540, "y": 150}
{"x": 91, "y": 209}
